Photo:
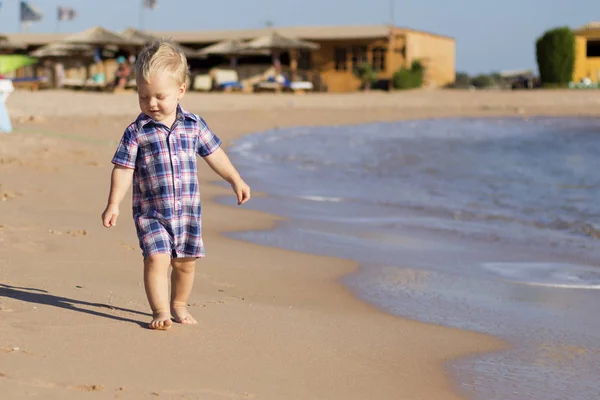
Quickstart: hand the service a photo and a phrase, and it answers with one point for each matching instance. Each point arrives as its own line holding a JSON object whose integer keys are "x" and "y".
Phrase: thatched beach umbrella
{"x": 6, "y": 44}
{"x": 98, "y": 36}
{"x": 277, "y": 43}
{"x": 146, "y": 37}
{"x": 232, "y": 49}
{"x": 62, "y": 49}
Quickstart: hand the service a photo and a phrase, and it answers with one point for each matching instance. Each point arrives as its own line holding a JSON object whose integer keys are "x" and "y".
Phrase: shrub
{"x": 555, "y": 53}
{"x": 409, "y": 78}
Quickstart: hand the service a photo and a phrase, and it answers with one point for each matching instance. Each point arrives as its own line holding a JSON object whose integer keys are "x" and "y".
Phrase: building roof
{"x": 590, "y": 30}
{"x": 206, "y": 37}
{"x": 590, "y": 26}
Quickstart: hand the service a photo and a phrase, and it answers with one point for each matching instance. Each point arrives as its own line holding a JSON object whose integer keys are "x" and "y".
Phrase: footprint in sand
{"x": 223, "y": 285}
{"x": 14, "y": 350}
{"x": 9, "y": 194}
{"x": 10, "y": 160}
{"x": 76, "y": 233}
{"x": 127, "y": 246}
{"x": 88, "y": 388}
{"x": 5, "y": 309}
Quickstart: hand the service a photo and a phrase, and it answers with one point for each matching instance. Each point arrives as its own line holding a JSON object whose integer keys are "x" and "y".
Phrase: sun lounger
{"x": 202, "y": 82}
{"x": 281, "y": 83}
{"x": 29, "y": 83}
{"x": 73, "y": 83}
{"x": 301, "y": 86}
{"x": 227, "y": 80}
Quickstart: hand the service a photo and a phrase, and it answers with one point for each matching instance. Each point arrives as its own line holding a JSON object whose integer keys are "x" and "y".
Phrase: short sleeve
{"x": 126, "y": 153}
{"x": 207, "y": 142}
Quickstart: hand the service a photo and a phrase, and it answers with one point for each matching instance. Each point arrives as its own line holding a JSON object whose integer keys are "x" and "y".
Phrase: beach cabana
{"x": 94, "y": 38}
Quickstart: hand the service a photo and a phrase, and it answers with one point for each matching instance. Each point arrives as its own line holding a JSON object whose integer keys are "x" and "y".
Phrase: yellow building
{"x": 341, "y": 49}
{"x": 587, "y": 53}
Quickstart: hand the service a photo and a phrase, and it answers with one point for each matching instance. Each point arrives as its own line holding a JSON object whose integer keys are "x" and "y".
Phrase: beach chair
{"x": 301, "y": 86}
{"x": 97, "y": 83}
{"x": 227, "y": 80}
{"x": 203, "y": 83}
{"x": 73, "y": 83}
{"x": 281, "y": 83}
{"x": 30, "y": 83}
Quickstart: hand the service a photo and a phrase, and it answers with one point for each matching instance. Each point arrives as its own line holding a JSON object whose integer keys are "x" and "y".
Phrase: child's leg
{"x": 156, "y": 282}
{"x": 182, "y": 281}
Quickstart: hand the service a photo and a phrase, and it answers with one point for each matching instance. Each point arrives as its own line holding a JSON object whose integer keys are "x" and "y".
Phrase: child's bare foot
{"x": 182, "y": 315}
{"x": 161, "y": 321}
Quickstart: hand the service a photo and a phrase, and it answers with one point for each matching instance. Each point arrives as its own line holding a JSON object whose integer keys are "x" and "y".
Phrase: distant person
{"x": 122, "y": 74}
{"x": 158, "y": 154}
{"x": 6, "y": 88}
{"x": 59, "y": 73}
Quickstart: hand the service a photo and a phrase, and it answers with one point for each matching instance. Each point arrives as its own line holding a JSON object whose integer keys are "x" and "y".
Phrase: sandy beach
{"x": 274, "y": 324}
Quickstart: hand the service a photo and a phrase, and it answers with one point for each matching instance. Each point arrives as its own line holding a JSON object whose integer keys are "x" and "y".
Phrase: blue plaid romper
{"x": 166, "y": 197}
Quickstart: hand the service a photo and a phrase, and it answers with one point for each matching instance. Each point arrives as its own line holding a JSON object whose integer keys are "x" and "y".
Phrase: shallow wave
{"x": 557, "y": 275}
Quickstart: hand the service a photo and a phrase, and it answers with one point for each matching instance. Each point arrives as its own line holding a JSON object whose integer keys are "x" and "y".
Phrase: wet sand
{"x": 273, "y": 323}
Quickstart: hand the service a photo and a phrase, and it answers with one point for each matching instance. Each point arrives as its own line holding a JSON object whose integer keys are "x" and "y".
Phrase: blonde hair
{"x": 162, "y": 55}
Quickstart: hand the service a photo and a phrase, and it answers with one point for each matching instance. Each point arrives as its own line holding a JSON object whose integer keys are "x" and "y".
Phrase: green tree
{"x": 366, "y": 74}
{"x": 555, "y": 53}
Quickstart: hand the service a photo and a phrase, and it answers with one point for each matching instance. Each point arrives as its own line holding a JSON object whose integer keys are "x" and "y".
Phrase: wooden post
{"x": 293, "y": 64}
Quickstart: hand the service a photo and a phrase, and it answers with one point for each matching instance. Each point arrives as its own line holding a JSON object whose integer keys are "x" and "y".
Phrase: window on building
{"x": 379, "y": 58}
{"x": 593, "y": 48}
{"x": 341, "y": 59}
{"x": 359, "y": 56}
{"x": 305, "y": 60}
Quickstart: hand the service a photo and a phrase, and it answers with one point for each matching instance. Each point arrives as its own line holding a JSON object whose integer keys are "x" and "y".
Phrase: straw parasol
{"x": 62, "y": 49}
{"x": 277, "y": 43}
{"x": 145, "y": 37}
{"x": 99, "y": 36}
{"x": 6, "y": 44}
{"x": 232, "y": 49}
{"x": 84, "y": 43}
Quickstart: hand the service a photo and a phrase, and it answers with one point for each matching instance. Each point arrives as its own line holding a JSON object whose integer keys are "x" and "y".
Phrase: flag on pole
{"x": 66, "y": 14}
{"x": 150, "y": 4}
{"x": 30, "y": 13}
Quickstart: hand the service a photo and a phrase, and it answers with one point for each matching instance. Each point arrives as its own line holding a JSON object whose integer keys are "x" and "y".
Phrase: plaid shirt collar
{"x": 182, "y": 115}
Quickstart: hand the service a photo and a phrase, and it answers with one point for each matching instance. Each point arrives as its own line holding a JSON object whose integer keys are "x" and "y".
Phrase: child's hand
{"x": 241, "y": 190}
{"x": 110, "y": 215}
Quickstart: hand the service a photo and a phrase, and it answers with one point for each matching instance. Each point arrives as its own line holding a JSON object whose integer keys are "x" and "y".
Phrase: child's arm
{"x": 120, "y": 181}
{"x": 219, "y": 162}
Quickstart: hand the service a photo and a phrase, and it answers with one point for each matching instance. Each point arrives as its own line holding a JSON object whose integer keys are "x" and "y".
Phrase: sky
{"x": 490, "y": 35}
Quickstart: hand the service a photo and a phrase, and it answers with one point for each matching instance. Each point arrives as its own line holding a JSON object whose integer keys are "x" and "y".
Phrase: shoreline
{"x": 360, "y": 341}
{"x": 501, "y": 344}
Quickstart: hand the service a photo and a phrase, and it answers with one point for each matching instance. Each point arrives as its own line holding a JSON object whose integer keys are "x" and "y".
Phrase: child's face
{"x": 159, "y": 97}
